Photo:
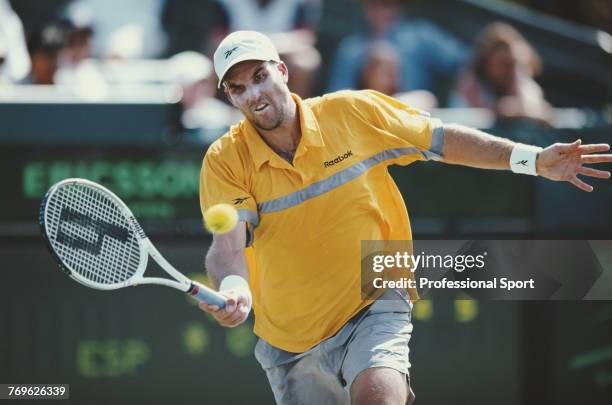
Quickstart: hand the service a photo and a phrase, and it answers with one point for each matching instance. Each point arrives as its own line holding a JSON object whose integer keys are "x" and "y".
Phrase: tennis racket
{"x": 98, "y": 242}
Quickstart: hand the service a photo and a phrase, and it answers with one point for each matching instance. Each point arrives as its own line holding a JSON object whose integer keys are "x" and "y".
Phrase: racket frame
{"x": 180, "y": 282}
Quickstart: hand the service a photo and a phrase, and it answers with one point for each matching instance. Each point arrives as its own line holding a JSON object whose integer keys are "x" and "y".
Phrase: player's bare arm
{"x": 558, "y": 162}
{"x": 225, "y": 258}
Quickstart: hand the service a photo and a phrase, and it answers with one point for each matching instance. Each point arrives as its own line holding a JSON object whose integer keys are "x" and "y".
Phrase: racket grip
{"x": 206, "y": 295}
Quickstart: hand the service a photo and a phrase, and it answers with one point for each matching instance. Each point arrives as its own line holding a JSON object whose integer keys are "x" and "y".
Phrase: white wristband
{"x": 234, "y": 281}
{"x": 523, "y": 159}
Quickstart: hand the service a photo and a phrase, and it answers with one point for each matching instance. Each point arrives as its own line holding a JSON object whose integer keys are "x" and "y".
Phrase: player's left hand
{"x": 565, "y": 161}
{"x": 236, "y": 310}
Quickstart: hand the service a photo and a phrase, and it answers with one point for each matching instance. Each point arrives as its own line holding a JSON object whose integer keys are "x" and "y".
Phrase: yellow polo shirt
{"x": 306, "y": 221}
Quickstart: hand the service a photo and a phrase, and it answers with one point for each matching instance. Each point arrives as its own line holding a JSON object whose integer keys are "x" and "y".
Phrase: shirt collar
{"x": 311, "y": 134}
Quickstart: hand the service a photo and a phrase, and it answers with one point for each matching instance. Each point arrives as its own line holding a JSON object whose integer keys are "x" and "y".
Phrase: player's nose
{"x": 253, "y": 96}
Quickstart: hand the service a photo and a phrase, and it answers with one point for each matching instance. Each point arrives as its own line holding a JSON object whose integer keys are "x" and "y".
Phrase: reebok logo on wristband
{"x": 523, "y": 159}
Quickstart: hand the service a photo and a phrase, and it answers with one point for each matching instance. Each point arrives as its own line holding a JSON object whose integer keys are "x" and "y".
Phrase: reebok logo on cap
{"x": 252, "y": 45}
{"x": 229, "y": 52}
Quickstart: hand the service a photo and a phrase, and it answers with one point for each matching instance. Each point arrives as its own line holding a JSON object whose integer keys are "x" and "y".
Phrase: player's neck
{"x": 285, "y": 139}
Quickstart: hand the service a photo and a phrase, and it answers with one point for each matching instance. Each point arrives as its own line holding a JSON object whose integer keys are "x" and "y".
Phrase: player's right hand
{"x": 236, "y": 310}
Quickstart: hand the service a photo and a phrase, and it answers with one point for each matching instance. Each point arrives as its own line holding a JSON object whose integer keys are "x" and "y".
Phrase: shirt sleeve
{"x": 404, "y": 134}
{"x": 222, "y": 182}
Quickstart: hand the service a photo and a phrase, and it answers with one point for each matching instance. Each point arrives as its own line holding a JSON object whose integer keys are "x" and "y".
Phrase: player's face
{"x": 259, "y": 90}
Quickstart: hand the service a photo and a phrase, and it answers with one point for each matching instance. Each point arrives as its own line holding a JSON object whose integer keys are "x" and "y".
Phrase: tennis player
{"x": 309, "y": 179}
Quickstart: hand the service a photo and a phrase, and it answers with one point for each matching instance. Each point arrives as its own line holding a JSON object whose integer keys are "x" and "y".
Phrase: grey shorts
{"x": 376, "y": 337}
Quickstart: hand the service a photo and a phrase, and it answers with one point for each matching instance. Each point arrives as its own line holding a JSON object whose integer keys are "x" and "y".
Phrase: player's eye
{"x": 236, "y": 89}
{"x": 260, "y": 76}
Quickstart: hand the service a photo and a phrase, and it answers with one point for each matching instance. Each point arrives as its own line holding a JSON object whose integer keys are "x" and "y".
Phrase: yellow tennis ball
{"x": 220, "y": 218}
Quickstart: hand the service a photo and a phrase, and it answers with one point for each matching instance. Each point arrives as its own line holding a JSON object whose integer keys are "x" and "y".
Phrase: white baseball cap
{"x": 240, "y": 46}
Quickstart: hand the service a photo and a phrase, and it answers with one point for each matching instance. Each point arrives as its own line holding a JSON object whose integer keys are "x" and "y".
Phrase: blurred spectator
{"x": 267, "y": 16}
{"x": 500, "y": 76}
{"x": 381, "y": 72}
{"x": 424, "y": 49}
{"x": 44, "y": 47}
{"x": 297, "y": 49}
{"x": 77, "y": 19}
{"x": 125, "y": 29}
{"x": 202, "y": 112}
{"x": 16, "y": 64}
{"x": 291, "y": 24}
{"x": 76, "y": 66}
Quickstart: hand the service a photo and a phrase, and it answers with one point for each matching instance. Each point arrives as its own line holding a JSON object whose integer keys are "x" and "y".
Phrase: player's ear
{"x": 228, "y": 94}
{"x": 284, "y": 71}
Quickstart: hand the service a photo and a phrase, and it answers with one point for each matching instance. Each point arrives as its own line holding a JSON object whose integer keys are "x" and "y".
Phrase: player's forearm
{"x": 558, "y": 162}
{"x": 220, "y": 264}
{"x": 474, "y": 148}
{"x": 227, "y": 270}
{"x": 226, "y": 255}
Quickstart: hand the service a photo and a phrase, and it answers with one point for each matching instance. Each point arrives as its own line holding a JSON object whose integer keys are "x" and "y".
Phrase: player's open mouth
{"x": 261, "y": 107}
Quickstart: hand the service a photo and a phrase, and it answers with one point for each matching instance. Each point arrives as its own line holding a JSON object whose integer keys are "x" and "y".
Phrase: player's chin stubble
{"x": 280, "y": 117}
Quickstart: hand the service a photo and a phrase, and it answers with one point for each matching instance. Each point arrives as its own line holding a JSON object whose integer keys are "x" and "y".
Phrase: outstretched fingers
{"x": 581, "y": 185}
{"x": 589, "y": 159}
{"x": 600, "y": 174}
{"x": 596, "y": 159}
{"x": 594, "y": 148}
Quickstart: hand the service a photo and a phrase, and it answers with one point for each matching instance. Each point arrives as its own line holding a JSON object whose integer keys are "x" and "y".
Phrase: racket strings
{"x": 91, "y": 235}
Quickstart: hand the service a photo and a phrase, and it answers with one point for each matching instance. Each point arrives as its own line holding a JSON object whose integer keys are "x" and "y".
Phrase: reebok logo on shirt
{"x": 240, "y": 200}
{"x": 338, "y": 159}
